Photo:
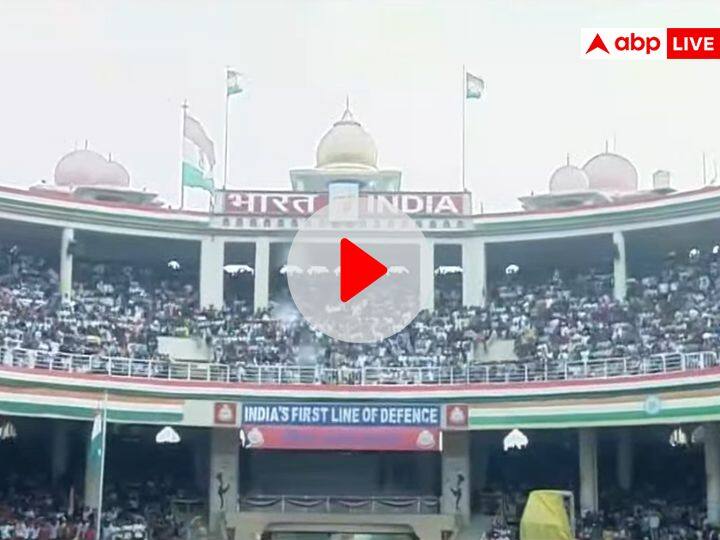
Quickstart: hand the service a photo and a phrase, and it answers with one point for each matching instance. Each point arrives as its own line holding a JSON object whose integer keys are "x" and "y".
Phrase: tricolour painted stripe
{"x": 582, "y": 419}
{"x": 86, "y": 413}
{"x": 479, "y": 393}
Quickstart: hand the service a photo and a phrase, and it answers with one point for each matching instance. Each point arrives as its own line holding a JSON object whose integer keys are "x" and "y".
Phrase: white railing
{"x": 485, "y": 372}
{"x": 114, "y": 366}
{"x": 340, "y": 504}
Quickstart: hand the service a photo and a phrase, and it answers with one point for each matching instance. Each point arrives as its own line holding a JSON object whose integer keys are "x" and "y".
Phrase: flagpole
{"x": 227, "y": 109}
{"x": 184, "y": 108}
{"x": 102, "y": 467}
{"x": 464, "y": 99}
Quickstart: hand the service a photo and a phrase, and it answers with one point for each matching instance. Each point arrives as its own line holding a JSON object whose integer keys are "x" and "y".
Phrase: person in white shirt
{"x": 54, "y": 529}
{"x": 21, "y": 530}
{"x": 6, "y": 531}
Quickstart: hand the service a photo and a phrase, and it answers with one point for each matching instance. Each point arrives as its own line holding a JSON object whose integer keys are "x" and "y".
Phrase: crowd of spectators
{"x": 129, "y": 513}
{"x": 553, "y": 323}
{"x": 143, "y": 511}
{"x": 120, "y": 311}
{"x": 37, "y": 515}
{"x": 676, "y": 513}
{"x": 641, "y": 515}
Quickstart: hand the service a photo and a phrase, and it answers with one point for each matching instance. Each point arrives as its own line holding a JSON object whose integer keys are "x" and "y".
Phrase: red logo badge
{"x": 456, "y": 416}
{"x": 226, "y": 414}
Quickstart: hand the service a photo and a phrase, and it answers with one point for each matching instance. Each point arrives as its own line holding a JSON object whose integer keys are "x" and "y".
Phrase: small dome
{"x": 347, "y": 146}
{"x": 116, "y": 175}
{"x": 78, "y": 167}
{"x": 611, "y": 173}
{"x": 569, "y": 178}
{"x": 88, "y": 168}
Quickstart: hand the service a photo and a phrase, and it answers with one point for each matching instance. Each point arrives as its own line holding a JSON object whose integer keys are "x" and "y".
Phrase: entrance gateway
{"x": 339, "y": 471}
{"x": 342, "y": 527}
{"x": 317, "y": 535}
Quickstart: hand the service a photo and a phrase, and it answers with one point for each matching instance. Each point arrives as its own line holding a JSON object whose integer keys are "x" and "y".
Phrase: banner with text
{"x": 336, "y": 426}
{"x": 303, "y": 204}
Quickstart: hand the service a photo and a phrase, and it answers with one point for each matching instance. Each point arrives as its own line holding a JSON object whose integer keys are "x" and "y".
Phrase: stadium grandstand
{"x": 571, "y": 347}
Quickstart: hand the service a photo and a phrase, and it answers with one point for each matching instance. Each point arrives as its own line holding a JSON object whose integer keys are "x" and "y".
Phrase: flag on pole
{"x": 95, "y": 462}
{"x": 474, "y": 86}
{"x": 198, "y": 156}
{"x": 234, "y": 82}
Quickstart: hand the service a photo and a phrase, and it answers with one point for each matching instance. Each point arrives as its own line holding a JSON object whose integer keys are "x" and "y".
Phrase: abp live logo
{"x": 650, "y": 43}
{"x": 623, "y": 43}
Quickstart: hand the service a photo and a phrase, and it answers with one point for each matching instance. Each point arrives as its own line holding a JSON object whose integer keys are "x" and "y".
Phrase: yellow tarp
{"x": 545, "y": 517}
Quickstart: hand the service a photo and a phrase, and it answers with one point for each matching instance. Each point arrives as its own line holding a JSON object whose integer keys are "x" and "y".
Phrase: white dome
{"x": 569, "y": 178}
{"x": 347, "y": 146}
{"x": 78, "y": 168}
{"x": 116, "y": 175}
{"x": 611, "y": 173}
{"x": 88, "y": 168}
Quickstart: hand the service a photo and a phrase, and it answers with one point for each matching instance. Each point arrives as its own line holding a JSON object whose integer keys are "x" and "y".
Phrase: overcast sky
{"x": 116, "y": 73}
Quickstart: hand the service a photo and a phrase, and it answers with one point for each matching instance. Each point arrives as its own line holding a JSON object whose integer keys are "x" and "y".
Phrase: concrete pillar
{"x": 66, "y": 263}
{"x": 60, "y": 451}
{"x": 587, "y": 446}
{"x": 262, "y": 274}
{"x": 474, "y": 279}
{"x": 712, "y": 472}
{"x": 625, "y": 459}
{"x": 619, "y": 267}
{"x": 456, "y": 481}
{"x": 427, "y": 275}
{"x": 223, "y": 485}
{"x": 212, "y": 260}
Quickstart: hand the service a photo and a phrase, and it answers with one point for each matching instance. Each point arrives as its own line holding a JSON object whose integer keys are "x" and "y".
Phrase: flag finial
{"x": 347, "y": 115}
{"x": 567, "y": 158}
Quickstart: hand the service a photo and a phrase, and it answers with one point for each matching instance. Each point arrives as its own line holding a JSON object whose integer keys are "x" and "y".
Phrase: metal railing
{"x": 114, "y": 366}
{"x": 340, "y": 504}
{"x": 473, "y": 373}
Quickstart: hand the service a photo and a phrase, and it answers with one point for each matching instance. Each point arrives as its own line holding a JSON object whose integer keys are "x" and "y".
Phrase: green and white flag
{"x": 474, "y": 86}
{"x": 198, "y": 156}
{"x": 95, "y": 462}
{"x": 234, "y": 82}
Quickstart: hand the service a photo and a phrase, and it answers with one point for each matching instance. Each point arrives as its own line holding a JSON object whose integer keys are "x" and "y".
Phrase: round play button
{"x": 354, "y": 270}
{"x": 358, "y": 270}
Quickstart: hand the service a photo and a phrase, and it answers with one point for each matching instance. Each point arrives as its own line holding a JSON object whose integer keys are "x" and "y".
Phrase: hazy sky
{"x": 116, "y": 73}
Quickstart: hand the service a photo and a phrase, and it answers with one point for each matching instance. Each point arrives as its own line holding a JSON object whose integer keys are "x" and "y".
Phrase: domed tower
{"x": 611, "y": 173}
{"x": 569, "y": 187}
{"x": 84, "y": 174}
{"x": 346, "y": 145}
{"x": 87, "y": 168}
{"x": 606, "y": 178}
{"x": 346, "y": 153}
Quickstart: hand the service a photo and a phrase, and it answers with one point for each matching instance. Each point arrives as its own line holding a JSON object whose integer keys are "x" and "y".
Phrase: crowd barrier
{"x": 340, "y": 505}
{"x": 480, "y": 372}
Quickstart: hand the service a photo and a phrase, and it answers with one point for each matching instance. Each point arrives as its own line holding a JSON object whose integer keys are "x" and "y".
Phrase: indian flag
{"x": 198, "y": 156}
{"x": 474, "y": 86}
{"x": 96, "y": 460}
{"x": 234, "y": 82}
